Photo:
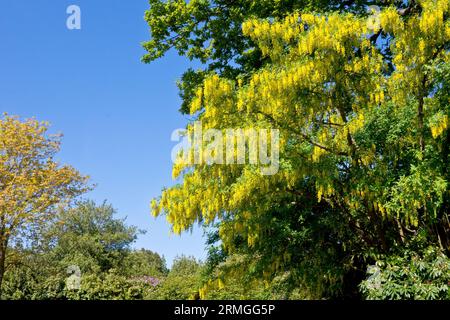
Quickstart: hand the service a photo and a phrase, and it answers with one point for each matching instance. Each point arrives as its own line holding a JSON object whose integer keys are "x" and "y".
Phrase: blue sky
{"x": 116, "y": 113}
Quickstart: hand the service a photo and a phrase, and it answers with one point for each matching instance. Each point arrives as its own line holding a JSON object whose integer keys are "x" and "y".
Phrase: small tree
{"x": 183, "y": 280}
{"x": 32, "y": 183}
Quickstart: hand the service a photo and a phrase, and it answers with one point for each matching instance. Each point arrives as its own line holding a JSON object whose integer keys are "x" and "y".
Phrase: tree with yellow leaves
{"x": 32, "y": 183}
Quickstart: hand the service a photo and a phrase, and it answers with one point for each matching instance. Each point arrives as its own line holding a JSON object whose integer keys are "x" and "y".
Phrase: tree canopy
{"x": 362, "y": 106}
{"x": 358, "y": 93}
{"x": 32, "y": 183}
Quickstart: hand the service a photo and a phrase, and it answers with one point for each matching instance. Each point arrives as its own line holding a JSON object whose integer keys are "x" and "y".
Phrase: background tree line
{"x": 90, "y": 238}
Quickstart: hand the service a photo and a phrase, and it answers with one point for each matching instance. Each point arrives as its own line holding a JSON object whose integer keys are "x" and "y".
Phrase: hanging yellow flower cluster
{"x": 439, "y": 125}
{"x": 272, "y": 37}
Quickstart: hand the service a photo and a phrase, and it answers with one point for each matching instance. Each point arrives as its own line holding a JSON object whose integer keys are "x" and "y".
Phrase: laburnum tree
{"x": 32, "y": 183}
{"x": 362, "y": 105}
{"x": 210, "y": 31}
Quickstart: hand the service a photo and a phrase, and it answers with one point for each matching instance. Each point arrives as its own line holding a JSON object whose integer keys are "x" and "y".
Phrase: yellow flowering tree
{"x": 362, "y": 110}
{"x": 31, "y": 181}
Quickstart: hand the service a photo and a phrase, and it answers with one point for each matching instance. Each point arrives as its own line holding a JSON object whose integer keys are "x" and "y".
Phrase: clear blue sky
{"x": 116, "y": 113}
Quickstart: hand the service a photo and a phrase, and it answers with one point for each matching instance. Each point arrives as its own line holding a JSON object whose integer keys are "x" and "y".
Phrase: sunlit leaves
{"x": 31, "y": 181}
{"x": 363, "y": 120}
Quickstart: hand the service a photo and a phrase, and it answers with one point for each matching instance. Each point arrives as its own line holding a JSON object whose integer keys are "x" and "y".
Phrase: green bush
{"x": 418, "y": 276}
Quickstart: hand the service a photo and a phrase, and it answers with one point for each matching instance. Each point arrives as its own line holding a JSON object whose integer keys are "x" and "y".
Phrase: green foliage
{"x": 362, "y": 111}
{"x": 360, "y": 204}
{"x": 33, "y": 277}
{"x": 144, "y": 262}
{"x": 412, "y": 275}
{"x": 32, "y": 184}
{"x": 182, "y": 282}
{"x": 90, "y": 238}
{"x": 110, "y": 286}
{"x": 210, "y": 31}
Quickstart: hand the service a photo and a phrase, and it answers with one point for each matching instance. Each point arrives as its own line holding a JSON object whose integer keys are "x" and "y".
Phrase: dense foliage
{"x": 362, "y": 106}
{"x": 415, "y": 275}
{"x": 32, "y": 183}
{"x": 86, "y": 239}
{"x": 358, "y": 208}
{"x": 88, "y": 242}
